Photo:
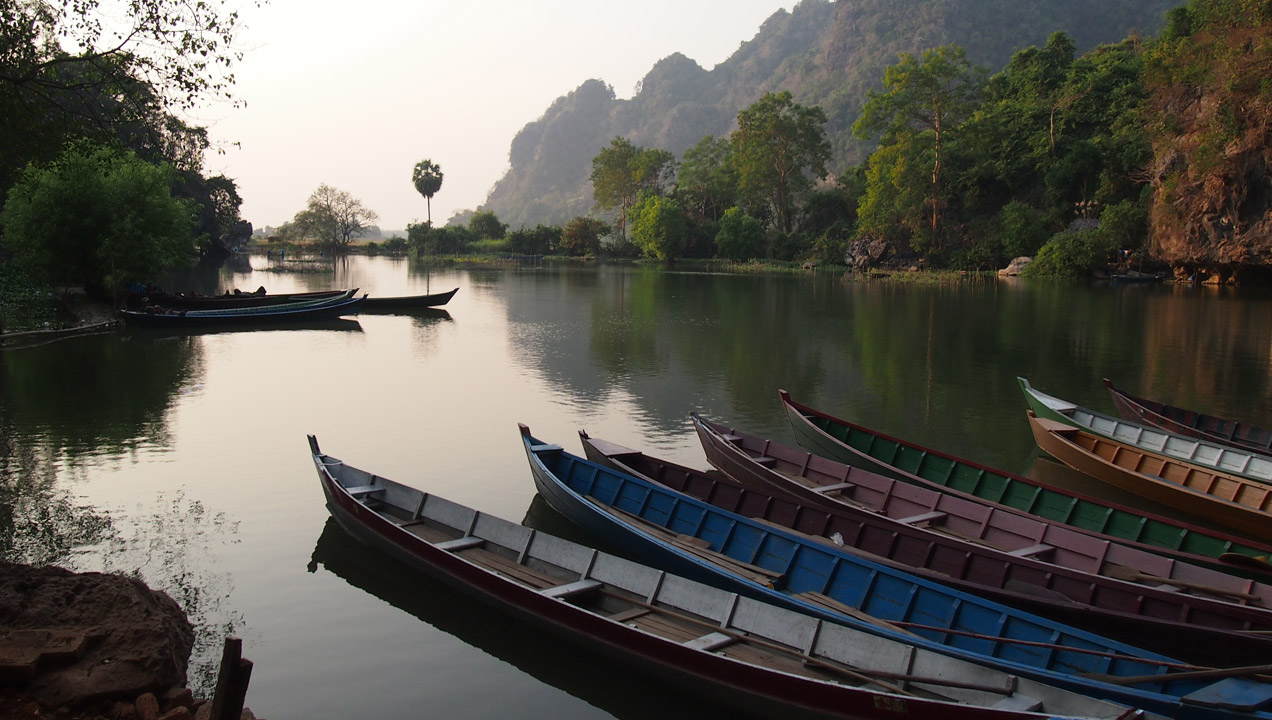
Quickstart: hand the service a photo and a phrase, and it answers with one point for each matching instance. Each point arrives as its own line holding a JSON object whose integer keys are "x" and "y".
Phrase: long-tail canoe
{"x": 745, "y": 654}
{"x": 1201, "y": 452}
{"x": 406, "y": 303}
{"x": 856, "y": 445}
{"x": 1233, "y": 502}
{"x": 1127, "y": 603}
{"x": 182, "y": 301}
{"x": 687, "y": 536}
{"x": 1190, "y": 422}
{"x": 247, "y": 317}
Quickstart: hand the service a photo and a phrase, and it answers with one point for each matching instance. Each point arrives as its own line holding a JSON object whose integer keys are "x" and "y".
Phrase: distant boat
{"x": 684, "y": 535}
{"x": 182, "y": 301}
{"x": 1119, "y": 598}
{"x": 738, "y": 652}
{"x": 408, "y": 302}
{"x": 301, "y": 312}
{"x": 1190, "y": 422}
{"x": 860, "y": 446}
{"x": 1243, "y": 505}
{"x": 1203, "y": 452}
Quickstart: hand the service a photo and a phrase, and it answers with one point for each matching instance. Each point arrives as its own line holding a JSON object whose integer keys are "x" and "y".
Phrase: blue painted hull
{"x": 982, "y": 631}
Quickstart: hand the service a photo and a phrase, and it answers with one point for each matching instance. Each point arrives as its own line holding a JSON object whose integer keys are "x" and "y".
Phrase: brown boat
{"x": 1190, "y": 422}
{"x": 1123, "y": 603}
{"x": 1238, "y": 504}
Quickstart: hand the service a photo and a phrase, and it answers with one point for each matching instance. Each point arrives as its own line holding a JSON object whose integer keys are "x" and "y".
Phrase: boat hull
{"x": 1190, "y": 422}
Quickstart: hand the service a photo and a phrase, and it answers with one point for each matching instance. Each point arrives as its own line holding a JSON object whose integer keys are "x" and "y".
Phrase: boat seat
{"x": 824, "y": 489}
{"x": 1018, "y": 703}
{"x": 461, "y": 543}
{"x": 1032, "y": 550}
{"x": 544, "y": 448}
{"x": 926, "y": 517}
{"x": 710, "y": 641}
{"x": 362, "y": 491}
{"x": 568, "y": 589}
{"x": 764, "y": 460}
{"x": 732, "y": 438}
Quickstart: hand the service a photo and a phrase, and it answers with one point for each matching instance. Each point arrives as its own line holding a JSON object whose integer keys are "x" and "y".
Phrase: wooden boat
{"x": 248, "y": 317}
{"x": 856, "y": 445}
{"x": 1237, "y": 503}
{"x": 1190, "y": 422}
{"x": 686, "y": 536}
{"x": 1124, "y": 602}
{"x": 407, "y": 303}
{"x": 750, "y": 655}
{"x": 1194, "y": 451}
{"x": 182, "y": 301}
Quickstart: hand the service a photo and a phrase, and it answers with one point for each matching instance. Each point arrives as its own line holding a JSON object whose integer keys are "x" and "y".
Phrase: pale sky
{"x": 354, "y": 93}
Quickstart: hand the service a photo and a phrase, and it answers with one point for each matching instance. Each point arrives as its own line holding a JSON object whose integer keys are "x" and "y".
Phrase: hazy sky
{"x": 354, "y": 93}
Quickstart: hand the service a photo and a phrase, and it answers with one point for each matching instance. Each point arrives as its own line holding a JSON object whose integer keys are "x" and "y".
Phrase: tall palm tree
{"x": 427, "y": 178}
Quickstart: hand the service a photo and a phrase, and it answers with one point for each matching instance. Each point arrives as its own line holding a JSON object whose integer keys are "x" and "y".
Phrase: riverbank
{"x": 84, "y": 646}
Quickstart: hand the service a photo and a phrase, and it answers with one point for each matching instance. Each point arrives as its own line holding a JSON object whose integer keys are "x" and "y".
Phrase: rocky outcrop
{"x": 70, "y": 638}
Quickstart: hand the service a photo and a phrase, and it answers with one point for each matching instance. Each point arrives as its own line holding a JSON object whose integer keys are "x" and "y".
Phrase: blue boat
{"x": 686, "y": 536}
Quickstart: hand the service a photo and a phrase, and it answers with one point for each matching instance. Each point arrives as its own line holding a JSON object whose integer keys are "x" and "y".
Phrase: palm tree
{"x": 428, "y": 180}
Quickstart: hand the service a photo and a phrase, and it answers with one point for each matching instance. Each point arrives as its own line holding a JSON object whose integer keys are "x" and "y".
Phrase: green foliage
{"x": 582, "y": 236}
{"x": 622, "y": 172}
{"x": 484, "y": 224}
{"x": 925, "y": 99}
{"x": 1022, "y": 229}
{"x": 740, "y": 236}
{"x": 97, "y": 217}
{"x": 659, "y": 228}
{"x": 1125, "y": 224}
{"x": 776, "y": 147}
{"x": 428, "y": 240}
{"x": 541, "y": 240}
{"x": 396, "y": 245}
{"x": 707, "y": 182}
{"x": 1071, "y": 255}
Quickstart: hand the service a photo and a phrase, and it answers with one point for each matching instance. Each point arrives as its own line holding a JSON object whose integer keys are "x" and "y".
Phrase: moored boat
{"x": 1190, "y": 422}
{"x": 300, "y": 312}
{"x": 1243, "y": 505}
{"x": 1202, "y": 452}
{"x": 857, "y": 445}
{"x": 683, "y": 535}
{"x": 1220, "y": 624}
{"x": 745, "y": 654}
{"x": 408, "y": 302}
{"x": 228, "y": 301}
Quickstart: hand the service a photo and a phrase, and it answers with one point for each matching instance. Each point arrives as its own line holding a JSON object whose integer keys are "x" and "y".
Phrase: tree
{"x": 924, "y": 99}
{"x": 97, "y": 217}
{"x": 622, "y": 171}
{"x": 485, "y": 224}
{"x": 427, "y": 178}
{"x": 706, "y": 181}
{"x": 334, "y": 217}
{"x": 776, "y": 143}
{"x": 740, "y": 236}
{"x": 582, "y": 236}
{"x": 659, "y": 228}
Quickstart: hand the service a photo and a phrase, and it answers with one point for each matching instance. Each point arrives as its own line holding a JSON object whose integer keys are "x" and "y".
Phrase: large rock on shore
{"x": 69, "y": 638}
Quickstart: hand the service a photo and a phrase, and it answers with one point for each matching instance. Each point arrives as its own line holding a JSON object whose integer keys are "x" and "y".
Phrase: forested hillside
{"x": 826, "y": 54}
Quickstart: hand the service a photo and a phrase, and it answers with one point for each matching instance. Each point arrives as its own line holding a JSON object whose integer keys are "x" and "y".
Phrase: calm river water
{"x": 182, "y": 457}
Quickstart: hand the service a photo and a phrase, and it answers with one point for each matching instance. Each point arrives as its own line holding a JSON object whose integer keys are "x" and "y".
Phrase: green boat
{"x": 1202, "y": 452}
{"x": 861, "y": 447}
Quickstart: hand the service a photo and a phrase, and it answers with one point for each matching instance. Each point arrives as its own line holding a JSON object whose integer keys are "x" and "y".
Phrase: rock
{"x": 177, "y": 713}
{"x": 1015, "y": 267}
{"x": 177, "y": 697}
{"x": 147, "y": 707}
{"x": 139, "y": 640}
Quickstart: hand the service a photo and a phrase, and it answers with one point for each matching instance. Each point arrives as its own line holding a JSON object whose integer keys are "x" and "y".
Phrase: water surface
{"x": 181, "y": 457}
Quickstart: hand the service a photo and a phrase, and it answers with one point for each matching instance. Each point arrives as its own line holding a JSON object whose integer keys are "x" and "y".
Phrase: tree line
{"x": 102, "y": 181}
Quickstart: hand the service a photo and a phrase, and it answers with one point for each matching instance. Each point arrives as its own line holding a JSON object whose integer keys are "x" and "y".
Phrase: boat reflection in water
{"x": 586, "y": 675}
